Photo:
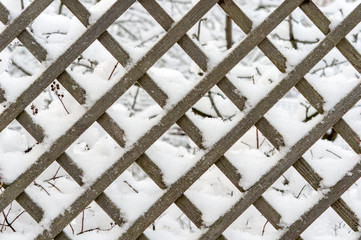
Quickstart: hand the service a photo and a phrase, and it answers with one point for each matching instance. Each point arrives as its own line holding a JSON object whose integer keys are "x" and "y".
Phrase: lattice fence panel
{"x": 53, "y": 149}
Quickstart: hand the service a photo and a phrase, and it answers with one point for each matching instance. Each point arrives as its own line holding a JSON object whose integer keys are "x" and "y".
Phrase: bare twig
{"x": 131, "y": 187}
{"x": 111, "y": 74}
{"x": 214, "y": 105}
{"x": 290, "y": 28}
{"x": 264, "y": 227}
{"x": 6, "y": 219}
{"x": 333, "y": 153}
{"x": 38, "y": 185}
{"x": 112, "y": 225}
{"x": 301, "y": 191}
{"x": 71, "y": 227}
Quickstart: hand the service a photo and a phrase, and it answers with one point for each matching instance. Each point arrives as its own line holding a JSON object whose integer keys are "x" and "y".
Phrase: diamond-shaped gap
{"x": 18, "y": 70}
{"x": 175, "y": 67}
{"x": 329, "y": 226}
{"x": 19, "y": 63}
{"x": 254, "y": 76}
{"x": 178, "y": 138}
{"x": 58, "y": 33}
{"x": 94, "y": 152}
{"x": 136, "y": 30}
{"x": 252, "y": 156}
{"x": 209, "y": 32}
{"x": 214, "y": 114}
{"x": 250, "y": 225}
{"x": 96, "y": 71}
{"x": 173, "y": 161}
{"x": 354, "y": 38}
{"x": 352, "y": 118}
{"x": 258, "y": 11}
{"x": 92, "y": 223}
{"x": 18, "y": 150}
{"x": 291, "y": 196}
{"x": 215, "y": 104}
{"x": 333, "y": 77}
{"x": 352, "y": 197}
{"x": 293, "y": 117}
{"x": 54, "y": 190}
{"x": 55, "y": 110}
{"x": 331, "y": 160}
{"x": 133, "y": 194}
{"x": 22, "y": 224}
{"x": 176, "y": 9}
{"x": 336, "y": 11}
{"x": 295, "y": 37}
{"x": 15, "y": 7}
{"x": 213, "y": 194}
{"x": 172, "y": 224}
{"x": 135, "y": 112}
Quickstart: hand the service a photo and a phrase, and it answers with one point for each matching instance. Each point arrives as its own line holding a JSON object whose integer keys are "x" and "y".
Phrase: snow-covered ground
{"x": 55, "y": 110}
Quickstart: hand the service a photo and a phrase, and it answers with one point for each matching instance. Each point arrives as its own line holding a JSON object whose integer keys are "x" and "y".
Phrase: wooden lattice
{"x": 137, "y": 72}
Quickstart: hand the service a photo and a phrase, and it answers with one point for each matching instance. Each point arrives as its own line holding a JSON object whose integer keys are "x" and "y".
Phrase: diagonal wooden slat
{"x": 251, "y": 117}
{"x": 48, "y": 76}
{"x": 322, "y": 205}
{"x": 267, "y": 180}
{"x": 109, "y": 125}
{"x": 155, "y": 130}
{"x": 176, "y": 114}
{"x": 313, "y": 97}
{"x": 18, "y": 25}
{"x": 294, "y": 153}
{"x": 80, "y": 125}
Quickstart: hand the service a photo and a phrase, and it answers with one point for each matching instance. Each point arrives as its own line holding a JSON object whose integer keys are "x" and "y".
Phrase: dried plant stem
{"x": 111, "y": 74}
{"x": 264, "y": 228}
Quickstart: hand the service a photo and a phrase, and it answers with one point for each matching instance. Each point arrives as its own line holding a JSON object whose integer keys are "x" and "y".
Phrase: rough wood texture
{"x": 176, "y": 34}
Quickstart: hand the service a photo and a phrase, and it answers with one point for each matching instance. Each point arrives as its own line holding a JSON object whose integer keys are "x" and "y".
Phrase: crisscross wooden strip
{"x": 322, "y": 22}
{"x": 161, "y": 98}
{"x": 106, "y": 122}
{"x": 36, "y": 131}
{"x": 314, "y": 98}
{"x": 24, "y": 37}
{"x": 300, "y": 147}
{"x": 59, "y": 65}
{"x": 19, "y": 24}
{"x": 160, "y": 47}
{"x": 324, "y": 47}
{"x": 173, "y": 114}
{"x": 190, "y": 129}
{"x": 323, "y": 204}
{"x": 14, "y": 109}
{"x": 294, "y": 153}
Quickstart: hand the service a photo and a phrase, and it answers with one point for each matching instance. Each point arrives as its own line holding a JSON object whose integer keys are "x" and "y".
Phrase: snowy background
{"x": 135, "y": 112}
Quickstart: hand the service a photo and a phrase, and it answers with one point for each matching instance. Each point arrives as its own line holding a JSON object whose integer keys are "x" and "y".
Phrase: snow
{"x": 173, "y": 162}
{"x": 97, "y": 10}
{"x": 213, "y": 129}
{"x": 96, "y": 155}
{"x": 174, "y": 153}
{"x": 252, "y": 164}
{"x": 202, "y": 195}
{"x": 133, "y": 197}
{"x": 172, "y": 82}
{"x": 331, "y": 162}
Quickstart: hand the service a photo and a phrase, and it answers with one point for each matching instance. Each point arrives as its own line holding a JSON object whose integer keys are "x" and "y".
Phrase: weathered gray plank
{"x": 176, "y": 32}
{"x": 52, "y": 72}
{"x": 60, "y": 64}
{"x": 21, "y": 22}
{"x": 329, "y": 198}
